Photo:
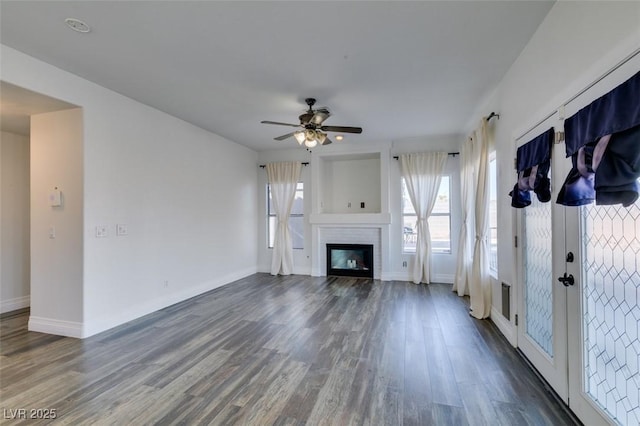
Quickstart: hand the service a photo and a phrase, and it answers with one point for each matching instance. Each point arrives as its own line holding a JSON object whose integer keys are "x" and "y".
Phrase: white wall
{"x": 14, "y": 222}
{"x": 575, "y": 44}
{"x": 56, "y": 263}
{"x": 349, "y": 182}
{"x": 187, "y": 196}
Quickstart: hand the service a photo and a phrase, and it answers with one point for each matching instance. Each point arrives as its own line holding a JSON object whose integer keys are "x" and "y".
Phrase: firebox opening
{"x": 351, "y": 260}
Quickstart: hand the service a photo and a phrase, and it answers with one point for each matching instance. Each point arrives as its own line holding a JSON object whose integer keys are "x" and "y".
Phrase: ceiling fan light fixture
{"x": 300, "y": 137}
{"x": 310, "y": 143}
{"x": 310, "y": 134}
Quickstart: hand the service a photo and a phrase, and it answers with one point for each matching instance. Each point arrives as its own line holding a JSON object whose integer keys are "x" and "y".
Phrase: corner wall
{"x": 187, "y": 197}
{"x": 14, "y": 218}
{"x": 56, "y": 232}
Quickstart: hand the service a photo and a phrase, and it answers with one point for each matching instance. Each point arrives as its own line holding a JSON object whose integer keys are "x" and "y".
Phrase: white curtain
{"x": 465, "y": 251}
{"x": 422, "y": 174}
{"x": 283, "y": 179}
{"x": 480, "y": 289}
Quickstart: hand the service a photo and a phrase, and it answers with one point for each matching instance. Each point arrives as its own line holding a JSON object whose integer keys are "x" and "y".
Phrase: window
{"x": 296, "y": 220}
{"x": 493, "y": 216}
{"x": 439, "y": 221}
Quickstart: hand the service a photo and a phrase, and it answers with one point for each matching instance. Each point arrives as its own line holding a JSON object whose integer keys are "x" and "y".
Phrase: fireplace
{"x": 350, "y": 260}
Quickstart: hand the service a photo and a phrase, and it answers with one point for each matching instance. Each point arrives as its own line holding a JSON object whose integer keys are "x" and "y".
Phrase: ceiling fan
{"x": 312, "y": 132}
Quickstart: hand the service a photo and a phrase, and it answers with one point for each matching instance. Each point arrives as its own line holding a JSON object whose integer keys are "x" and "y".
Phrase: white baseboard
{"x": 407, "y": 276}
{"x": 15, "y": 304}
{"x": 443, "y": 278}
{"x": 142, "y": 309}
{"x": 506, "y": 327}
{"x": 396, "y": 276}
{"x": 57, "y": 327}
{"x": 297, "y": 270}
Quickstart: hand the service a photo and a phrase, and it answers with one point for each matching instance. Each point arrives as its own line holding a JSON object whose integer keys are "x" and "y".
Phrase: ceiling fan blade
{"x": 283, "y": 137}
{"x": 342, "y": 129}
{"x": 320, "y": 115}
{"x": 279, "y": 123}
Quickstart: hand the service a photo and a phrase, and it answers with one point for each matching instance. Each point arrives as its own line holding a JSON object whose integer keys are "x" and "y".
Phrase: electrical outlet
{"x": 101, "y": 231}
{"x": 166, "y": 283}
{"x": 404, "y": 264}
{"x": 121, "y": 229}
{"x": 52, "y": 232}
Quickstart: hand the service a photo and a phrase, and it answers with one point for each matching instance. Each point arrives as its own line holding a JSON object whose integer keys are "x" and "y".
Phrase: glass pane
{"x": 439, "y": 224}
{"x": 296, "y": 227}
{"x": 442, "y": 201}
{"x": 493, "y": 217}
{"x": 298, "y": 202}
{"x": 296, "y": 221}
{"x": 442, "y": 204}
{"x": 272, "y": 230}
{"x": 537, "y": 251}
{"x": 440, "y": 234}
{"x": 270, "y": 210}
{"x": 493, "y": 250}
{"x": 611, "y": 304}
{"x": 407, "y": 207}
{"x": 409, "y": 234}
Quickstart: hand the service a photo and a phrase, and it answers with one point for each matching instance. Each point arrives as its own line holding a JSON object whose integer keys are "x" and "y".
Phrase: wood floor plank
{"x": 284, "y": 351}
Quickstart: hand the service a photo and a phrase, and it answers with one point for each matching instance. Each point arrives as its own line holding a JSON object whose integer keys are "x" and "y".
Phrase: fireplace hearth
{"x": 350, "y": 260}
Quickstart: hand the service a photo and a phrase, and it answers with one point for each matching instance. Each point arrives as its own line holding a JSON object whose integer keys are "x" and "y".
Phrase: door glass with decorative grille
{"x": 542, "y": 331}
{"x": 538, "y": 275}
{"x": 607, "y": 378}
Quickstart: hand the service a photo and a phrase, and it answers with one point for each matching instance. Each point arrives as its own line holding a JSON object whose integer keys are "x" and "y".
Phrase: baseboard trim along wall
{"x": 103, "y": 324}
{"x": 15, "y": 304}
{"x": 87, "y": 329}
{"x": 407, "y": 276}
{"x": 57, "y": 327}
{"x": 506, "y": 327}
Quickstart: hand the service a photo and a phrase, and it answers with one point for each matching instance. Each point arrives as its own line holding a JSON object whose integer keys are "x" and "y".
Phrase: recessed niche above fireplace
{"x": 350, "y": 184}
{"x": 350, "y": 260}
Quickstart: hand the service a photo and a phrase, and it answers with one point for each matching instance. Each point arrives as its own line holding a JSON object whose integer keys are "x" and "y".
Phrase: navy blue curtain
{"x": 603, "y": 141}
{"x": 533, "y": 160}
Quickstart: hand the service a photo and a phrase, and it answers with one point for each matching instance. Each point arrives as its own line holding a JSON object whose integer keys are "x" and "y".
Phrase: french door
{"x": 579, "y": 304}
{"x": 542, "y": 303}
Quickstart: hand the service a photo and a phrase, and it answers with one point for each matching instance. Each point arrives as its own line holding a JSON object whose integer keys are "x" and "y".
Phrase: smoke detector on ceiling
{"x": 77, "y": 25}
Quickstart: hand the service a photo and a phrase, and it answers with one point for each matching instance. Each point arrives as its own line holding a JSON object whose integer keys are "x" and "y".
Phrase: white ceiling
{"x": 397, "y": 69}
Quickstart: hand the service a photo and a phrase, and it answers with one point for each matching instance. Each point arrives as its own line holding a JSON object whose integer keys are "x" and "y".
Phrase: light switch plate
{"x": 101, "y": 231}
{"x": 121, "y": 230}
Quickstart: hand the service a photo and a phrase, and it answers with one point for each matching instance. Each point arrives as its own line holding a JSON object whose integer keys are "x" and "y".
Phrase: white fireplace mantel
{"x": 365, "y": 219}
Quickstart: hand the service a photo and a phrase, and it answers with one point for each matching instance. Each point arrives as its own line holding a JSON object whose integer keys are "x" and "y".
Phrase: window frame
{"x": 299, "y": 189}
{"x": 493, "y": 271}
{"x": 403, "y": 215}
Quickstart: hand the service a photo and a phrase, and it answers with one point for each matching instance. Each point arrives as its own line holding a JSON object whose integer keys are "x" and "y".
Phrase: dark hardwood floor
{"x": 281, "y": 350}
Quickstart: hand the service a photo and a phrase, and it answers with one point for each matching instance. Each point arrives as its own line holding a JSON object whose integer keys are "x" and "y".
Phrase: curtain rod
{"x": 262, "y": 166}
{"x": 493, "y": 114}
{"x": 453, "y": 154}
{"x": 581, "y": 92}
